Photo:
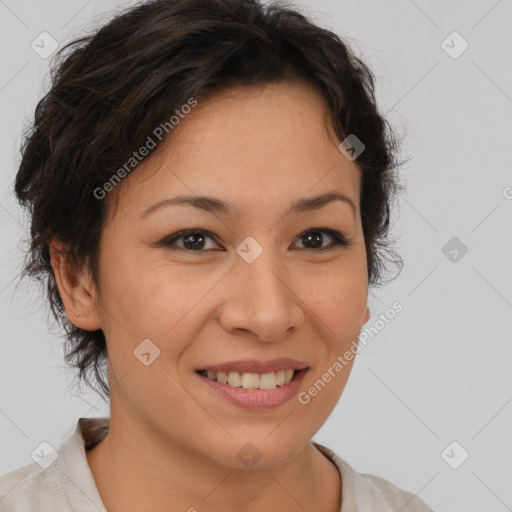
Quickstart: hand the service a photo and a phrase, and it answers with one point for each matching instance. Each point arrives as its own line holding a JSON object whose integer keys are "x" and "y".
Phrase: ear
{"x": 76, "y": 289}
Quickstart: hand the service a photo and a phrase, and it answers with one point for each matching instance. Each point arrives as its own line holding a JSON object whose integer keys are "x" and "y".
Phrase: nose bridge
{"x": 266, "y": 280}
{"x": 262, "y": 302}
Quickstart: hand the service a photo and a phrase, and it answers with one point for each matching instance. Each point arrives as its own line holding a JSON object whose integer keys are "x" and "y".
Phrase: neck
{"x": 137, "y": 468}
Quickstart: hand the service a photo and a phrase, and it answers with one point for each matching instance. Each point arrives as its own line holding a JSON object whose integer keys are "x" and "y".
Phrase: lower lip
{"x": 256, "y": 399}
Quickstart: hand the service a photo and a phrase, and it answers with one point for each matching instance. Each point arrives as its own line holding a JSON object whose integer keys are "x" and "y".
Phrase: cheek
{"x": 144, "y": 296}
{"x": 337, "y": 311}
{"x": 149, "y": 324}
{"x": 169, "y": 311}
{"x": 337, "y": 296}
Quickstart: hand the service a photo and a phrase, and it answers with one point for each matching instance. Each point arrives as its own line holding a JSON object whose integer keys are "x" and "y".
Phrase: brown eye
{"x": 314, "y": 238}
{"x": 193, "y": 240}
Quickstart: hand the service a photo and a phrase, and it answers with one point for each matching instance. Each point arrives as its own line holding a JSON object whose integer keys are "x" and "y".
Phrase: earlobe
{"x": 76, "y": 289}
{"x": 367, "y": 317}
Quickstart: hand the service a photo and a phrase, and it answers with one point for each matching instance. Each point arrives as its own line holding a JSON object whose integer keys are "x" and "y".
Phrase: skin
{"x": 173, "y": 444}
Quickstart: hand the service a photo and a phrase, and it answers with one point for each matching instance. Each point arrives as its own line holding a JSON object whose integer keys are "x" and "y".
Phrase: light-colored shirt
{"x": 62, "y": 481}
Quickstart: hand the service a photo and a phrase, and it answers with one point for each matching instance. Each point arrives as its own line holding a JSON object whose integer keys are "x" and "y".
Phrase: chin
{"x": 256, "y": 454}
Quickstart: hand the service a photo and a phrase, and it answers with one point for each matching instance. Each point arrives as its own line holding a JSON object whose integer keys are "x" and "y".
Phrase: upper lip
{"x": 255, "y": 366}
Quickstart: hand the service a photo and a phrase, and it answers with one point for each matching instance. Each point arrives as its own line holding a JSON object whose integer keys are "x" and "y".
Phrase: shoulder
{"x": 32, "y": 488}
{"x": 364, "y": 492}
{"x": 61, "y": 481}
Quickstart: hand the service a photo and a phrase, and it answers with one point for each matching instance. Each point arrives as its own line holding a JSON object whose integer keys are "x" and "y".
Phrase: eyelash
{"x": 338, "y": 239}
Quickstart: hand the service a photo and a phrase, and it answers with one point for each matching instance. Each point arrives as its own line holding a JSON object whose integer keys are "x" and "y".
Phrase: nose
{"x": 261, "y": 300}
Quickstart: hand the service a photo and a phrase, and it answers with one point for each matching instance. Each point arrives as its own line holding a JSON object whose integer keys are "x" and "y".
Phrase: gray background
{"x": 440, "y": 371}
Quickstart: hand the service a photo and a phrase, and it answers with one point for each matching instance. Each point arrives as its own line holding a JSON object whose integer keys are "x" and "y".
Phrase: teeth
{"x": 222, "y": 377}
{"x": 253, "y": 380}
{"x": 250, "y": 380}
{"x": 235, "y": 379}
{"x": 268, "y": 381}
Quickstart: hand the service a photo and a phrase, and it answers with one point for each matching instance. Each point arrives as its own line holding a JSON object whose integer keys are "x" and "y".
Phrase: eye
{"x": 195, "y": 239}
{"x": 314, "y": 238}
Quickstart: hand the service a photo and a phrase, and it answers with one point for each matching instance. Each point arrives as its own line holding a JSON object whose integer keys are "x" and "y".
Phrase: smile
{"x": 253, "y": 391}
{"x": 251, "y": 380}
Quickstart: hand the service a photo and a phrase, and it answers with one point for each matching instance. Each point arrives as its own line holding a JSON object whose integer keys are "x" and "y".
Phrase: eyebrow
{"x": 214, "y": 205}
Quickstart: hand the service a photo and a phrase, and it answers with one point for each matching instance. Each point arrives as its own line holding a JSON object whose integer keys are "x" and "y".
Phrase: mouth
{"x": 247, "y": 380}
{"x": 253, "y": 384}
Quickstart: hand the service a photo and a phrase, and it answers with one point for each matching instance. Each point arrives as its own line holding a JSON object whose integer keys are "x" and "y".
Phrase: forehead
{"x": 274, "y": 140}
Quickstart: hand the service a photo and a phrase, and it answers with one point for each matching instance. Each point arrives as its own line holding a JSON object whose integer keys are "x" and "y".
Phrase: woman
{"x": 210, "y": 185}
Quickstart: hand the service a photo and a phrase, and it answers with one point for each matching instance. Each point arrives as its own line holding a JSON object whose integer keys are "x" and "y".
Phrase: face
{"x": 256, "y": 280}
